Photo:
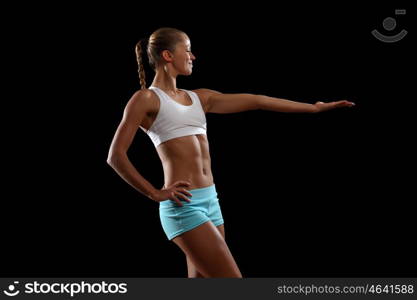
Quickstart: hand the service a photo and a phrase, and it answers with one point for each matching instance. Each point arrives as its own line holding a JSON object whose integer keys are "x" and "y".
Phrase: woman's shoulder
{"x": 144, "y": 94}
{"x": 144, "y": 98}
{"x": 205, "y": 91}
{"x": 204, "y": 94}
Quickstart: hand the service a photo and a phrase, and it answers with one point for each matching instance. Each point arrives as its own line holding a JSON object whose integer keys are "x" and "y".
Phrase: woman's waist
{"x": 196, "y": 180}
{"x": 199, "y": 196}
{"x": 199, "y": 175}
{"x": 187, "y": 165}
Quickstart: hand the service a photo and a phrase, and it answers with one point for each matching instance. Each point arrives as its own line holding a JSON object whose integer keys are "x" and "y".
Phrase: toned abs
{"x": 183, "y": 158}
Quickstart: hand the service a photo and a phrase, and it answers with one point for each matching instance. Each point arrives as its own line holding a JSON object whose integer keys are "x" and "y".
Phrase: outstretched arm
{"x": 216, "y": 102}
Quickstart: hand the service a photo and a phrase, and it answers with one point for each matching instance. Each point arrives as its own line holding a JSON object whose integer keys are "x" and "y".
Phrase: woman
{"x": 175, "y": 121}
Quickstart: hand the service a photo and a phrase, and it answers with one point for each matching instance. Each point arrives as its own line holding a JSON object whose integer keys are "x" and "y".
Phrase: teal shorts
{"x": 204, "y": 207}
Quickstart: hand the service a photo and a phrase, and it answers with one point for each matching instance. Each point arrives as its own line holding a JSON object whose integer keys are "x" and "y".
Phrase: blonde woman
{"x": 175, "y": 121}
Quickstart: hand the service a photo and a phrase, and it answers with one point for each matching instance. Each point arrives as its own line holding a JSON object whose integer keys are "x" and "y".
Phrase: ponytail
{"x": 164, "y": 38}
{"x": 141, "y": 70}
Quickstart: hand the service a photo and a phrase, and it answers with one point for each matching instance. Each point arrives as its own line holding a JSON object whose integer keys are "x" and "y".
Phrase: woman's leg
{"x": 192, "y": 270}
{"x": 206, "y": 248}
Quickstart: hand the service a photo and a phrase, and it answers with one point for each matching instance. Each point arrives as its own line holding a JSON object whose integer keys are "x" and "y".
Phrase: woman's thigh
{"x": 208, "y": 251}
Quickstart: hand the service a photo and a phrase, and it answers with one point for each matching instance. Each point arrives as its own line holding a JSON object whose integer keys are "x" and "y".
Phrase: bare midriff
{"x": 186, "y": 158}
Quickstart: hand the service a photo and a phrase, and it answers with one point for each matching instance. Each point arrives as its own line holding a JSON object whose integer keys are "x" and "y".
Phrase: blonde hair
{"x": 165, "y": 38}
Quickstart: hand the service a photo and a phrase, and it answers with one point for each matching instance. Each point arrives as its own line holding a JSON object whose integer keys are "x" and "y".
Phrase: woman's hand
{"x": 172, "y": 193}
{"x": 321, "y": 106}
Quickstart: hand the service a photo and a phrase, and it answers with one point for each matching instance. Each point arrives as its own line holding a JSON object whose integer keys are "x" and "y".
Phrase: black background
{"x": 328, "y": 194}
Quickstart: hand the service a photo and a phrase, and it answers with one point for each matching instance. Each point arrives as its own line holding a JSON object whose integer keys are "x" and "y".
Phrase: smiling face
{"x": 182, "y": 57}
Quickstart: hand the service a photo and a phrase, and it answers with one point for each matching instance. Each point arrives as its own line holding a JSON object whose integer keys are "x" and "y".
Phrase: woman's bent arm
{"x": 133, "y": 116}
{"x": 122, "y": 165}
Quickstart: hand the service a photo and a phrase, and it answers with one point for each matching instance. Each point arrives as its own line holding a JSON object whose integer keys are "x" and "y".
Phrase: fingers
{"x": 344, "y": 103}
{"x": 186, "y": 192}
{"x": 175, "y": 199}
{"x": 347, "y": 103}
{"x": 177, "y": 191}
{"x": 182, "y": 196}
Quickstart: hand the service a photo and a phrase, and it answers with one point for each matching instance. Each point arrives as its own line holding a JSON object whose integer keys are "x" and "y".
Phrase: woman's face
{"x": 183, "y": 58}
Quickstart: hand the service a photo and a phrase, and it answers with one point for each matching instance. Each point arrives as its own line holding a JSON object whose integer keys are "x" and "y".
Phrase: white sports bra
{"x": 175, "y": 120}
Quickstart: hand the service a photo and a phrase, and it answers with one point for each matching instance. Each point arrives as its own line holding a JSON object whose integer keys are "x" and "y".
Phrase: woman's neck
{"x": 165, "y": 82}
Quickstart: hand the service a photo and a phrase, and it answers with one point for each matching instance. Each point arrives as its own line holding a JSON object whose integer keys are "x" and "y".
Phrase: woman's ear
{"x": 167, "y": 55}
